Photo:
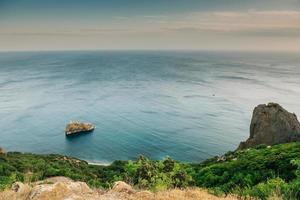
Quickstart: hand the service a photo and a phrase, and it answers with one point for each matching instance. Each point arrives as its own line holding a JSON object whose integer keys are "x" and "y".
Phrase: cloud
{"x": 121, "y": 18}
{"x": 250, "y": 23}
{"x": 240, "y": 22}
{"x": 39, "y": 33}
{"x": 247, "y": 23}
{"x": 275, "y": 29}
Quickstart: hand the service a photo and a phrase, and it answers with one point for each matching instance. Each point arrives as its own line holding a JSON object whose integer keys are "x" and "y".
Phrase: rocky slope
{"x": 61, "y": 188}
{"x": 271, "y": 124}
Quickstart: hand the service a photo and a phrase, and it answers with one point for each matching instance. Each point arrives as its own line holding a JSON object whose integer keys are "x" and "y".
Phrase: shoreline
{"x": 98, "y": 163}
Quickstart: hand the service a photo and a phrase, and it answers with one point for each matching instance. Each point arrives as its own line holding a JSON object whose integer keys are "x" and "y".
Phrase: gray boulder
{"x": 271, "y": 124}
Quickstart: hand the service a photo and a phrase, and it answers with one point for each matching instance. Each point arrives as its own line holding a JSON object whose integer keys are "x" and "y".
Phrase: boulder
{"x": 271, "y": 124}
{"x": 62, "y": 188}
{"x": 75, "y": 127}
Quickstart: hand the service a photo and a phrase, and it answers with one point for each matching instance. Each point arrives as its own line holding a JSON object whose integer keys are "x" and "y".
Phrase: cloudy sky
{"x": 150, "y": 24}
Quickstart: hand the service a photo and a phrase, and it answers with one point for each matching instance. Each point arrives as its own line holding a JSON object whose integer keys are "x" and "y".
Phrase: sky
{"x": 264, "y": 25}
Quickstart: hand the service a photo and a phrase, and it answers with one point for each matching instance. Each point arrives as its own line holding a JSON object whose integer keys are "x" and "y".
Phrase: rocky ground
{"x": 61, "y": 188}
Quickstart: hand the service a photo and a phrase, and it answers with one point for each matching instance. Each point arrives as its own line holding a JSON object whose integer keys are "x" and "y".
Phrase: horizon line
{"x": 152, "y": 49}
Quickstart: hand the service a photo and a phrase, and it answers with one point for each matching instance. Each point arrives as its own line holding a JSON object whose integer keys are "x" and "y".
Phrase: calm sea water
{"x": 188, "y": 105}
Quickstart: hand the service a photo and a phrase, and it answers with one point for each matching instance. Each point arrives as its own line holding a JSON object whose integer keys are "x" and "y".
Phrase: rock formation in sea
{"x": 271, "y": 124}
{"x": 75, "y": 127}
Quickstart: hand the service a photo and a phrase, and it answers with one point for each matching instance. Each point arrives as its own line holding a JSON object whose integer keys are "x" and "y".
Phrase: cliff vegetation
{"x": 260, "y": 172}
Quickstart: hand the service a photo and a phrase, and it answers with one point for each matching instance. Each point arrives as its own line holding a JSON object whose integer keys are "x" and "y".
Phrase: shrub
{"x": 293, "y": 189}
{"x": 273, "y": 187}
{"x": 156, "y": 175}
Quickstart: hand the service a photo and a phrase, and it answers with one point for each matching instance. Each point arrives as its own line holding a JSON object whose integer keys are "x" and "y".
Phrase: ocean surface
{"x": 190, "y": 105}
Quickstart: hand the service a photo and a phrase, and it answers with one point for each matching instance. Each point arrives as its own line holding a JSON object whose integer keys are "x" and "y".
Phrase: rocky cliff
{"x": 271, "y": 124}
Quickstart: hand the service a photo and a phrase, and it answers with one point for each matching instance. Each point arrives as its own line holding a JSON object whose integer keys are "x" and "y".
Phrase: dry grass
{"x": 62, "y": 188}
{"x": 177, "y": 194}
{"x": 61, "y": 193}
{"x": 11, "y": 195}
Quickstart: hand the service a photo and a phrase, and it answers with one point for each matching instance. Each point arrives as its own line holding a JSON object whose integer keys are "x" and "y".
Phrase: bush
{"x": 293, "y": 189}
{"x": 273, "y": 187}
{"x": 156, "y": 175}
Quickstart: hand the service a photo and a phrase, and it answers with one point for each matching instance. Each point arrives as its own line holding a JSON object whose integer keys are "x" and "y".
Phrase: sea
{"x": 189, "y": 105}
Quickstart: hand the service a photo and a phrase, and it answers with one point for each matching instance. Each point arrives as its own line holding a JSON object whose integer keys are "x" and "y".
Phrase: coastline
{"x": 99, "y": 163}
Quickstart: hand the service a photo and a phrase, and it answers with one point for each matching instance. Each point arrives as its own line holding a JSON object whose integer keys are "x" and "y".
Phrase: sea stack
{"x": 271, "y": 124}
{"x": 75, "y": 127}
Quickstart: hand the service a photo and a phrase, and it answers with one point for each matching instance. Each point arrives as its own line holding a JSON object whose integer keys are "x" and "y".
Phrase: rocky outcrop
{"x": 271, "y": 124}
{"x": 61, "y": 188}
{"x": 75, "y": 127}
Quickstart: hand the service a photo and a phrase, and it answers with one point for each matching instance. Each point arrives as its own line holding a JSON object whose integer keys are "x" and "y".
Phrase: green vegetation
{"x": 143, "y": 173}
{"x": 157, "y": 175}
{"x": 259, "y": 172}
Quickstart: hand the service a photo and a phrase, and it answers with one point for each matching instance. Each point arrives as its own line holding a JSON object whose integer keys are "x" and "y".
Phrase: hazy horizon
{"x": 266, "y": 25}
{"x": 155, "y": 49}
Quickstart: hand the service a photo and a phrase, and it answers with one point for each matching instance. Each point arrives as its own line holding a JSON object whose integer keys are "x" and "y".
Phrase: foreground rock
{"x": 271, "y": 124}
{"x": 75, "y": 127}
{"x": 58, "y": 188}
{"x": 61, "y": 188}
